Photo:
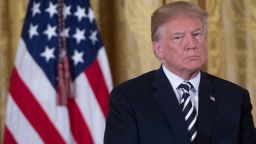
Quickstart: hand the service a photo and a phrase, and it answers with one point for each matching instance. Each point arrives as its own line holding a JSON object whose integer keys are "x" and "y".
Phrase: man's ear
{"x": 158, "y": 50}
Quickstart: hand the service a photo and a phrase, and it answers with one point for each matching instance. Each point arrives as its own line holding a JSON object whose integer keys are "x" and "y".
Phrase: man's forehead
{"x": 177, "y": 32}
{"x": 183, "y": 24}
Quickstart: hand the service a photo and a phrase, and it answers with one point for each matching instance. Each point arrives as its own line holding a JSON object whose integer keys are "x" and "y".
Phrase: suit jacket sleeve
{"x": 121, "y": 125}
{"x": 248, "y": 133}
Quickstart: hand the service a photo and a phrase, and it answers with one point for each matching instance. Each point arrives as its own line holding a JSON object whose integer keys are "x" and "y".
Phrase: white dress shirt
{"x": 176, "y": 81}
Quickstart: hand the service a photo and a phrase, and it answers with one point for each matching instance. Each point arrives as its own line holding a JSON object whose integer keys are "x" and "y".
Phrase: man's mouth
{"x": 193, "y": 57}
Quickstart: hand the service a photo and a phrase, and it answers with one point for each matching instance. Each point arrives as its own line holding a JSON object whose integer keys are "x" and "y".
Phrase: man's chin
{"x": 195, "y": 68}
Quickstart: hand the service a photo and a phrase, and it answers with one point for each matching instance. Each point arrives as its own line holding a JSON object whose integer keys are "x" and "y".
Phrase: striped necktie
{"x": 188, "y": 109}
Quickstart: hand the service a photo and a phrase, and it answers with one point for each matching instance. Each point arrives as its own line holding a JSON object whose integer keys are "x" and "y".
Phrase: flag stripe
{"x": 17, "y": 123}
{"x": 90, "y": 109}
{"x": 32, "y": 110}
{"x": 78, "y": 126}
{"x": 104, "y": 66}
{"x": 98, "y": 85}
{"x": 42, "y": 90}
{"x": 8, "y": 138}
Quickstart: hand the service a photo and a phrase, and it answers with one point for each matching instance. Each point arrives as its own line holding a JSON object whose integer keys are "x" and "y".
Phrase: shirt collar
{"x": 176, "y": 80}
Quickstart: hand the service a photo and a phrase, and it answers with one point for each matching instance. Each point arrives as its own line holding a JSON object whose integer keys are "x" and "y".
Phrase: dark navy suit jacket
{"x": 145, "y": 110}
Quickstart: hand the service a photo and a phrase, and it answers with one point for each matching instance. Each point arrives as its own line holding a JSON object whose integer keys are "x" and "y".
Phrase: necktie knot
{"x": 185, "y": 86}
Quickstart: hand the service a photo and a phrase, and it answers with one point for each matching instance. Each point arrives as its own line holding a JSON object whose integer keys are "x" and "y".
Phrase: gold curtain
{"x": 12, "y": 14}
{"x": 125, "y": 29}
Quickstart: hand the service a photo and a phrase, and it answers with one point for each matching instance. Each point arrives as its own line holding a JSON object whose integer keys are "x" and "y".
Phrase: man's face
{"x": 182, "y": 45}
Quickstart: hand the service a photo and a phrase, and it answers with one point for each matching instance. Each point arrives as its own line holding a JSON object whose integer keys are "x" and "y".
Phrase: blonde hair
{"x": 171, "y": 11}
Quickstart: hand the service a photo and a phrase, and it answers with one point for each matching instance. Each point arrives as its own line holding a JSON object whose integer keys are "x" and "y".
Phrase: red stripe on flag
{"x": 78, "y": 126}
{"x": 98, "y": 85}
{"x": 33, "y": 111}
{"x": 8, "y": 137}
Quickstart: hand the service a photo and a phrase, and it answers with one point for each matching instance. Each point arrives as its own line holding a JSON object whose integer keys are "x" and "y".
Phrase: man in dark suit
{"x": 178, "y": 103}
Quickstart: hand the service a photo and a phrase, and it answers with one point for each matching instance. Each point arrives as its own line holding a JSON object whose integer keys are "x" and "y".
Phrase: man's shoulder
{"x": 139, "y": 81}
{"x": 134, "y": 89}
{"x": 222, "y": 83}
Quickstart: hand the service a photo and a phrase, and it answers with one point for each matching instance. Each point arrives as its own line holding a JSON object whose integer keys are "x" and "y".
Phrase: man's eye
{"x": 197, "y": 34}
{"x": 177, "y": 37}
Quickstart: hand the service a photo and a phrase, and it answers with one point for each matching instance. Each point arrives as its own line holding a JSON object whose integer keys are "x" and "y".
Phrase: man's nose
{"x": 191, "y": 42}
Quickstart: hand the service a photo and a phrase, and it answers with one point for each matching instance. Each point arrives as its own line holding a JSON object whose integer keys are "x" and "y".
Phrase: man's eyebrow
{"x": 198, "y": 29}
{"x": 178, "y": 33}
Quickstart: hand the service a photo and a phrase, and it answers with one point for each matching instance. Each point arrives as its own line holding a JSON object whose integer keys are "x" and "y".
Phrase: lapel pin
{"x": 212, "y": 98}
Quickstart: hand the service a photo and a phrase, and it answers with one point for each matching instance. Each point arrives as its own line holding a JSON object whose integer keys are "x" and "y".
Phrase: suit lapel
{"x": 207, "y": 110}
{"x": 168, "y": 103}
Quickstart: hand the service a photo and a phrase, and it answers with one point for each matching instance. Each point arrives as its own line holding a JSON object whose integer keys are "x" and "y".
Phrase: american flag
{"x": 33, "y": 114}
